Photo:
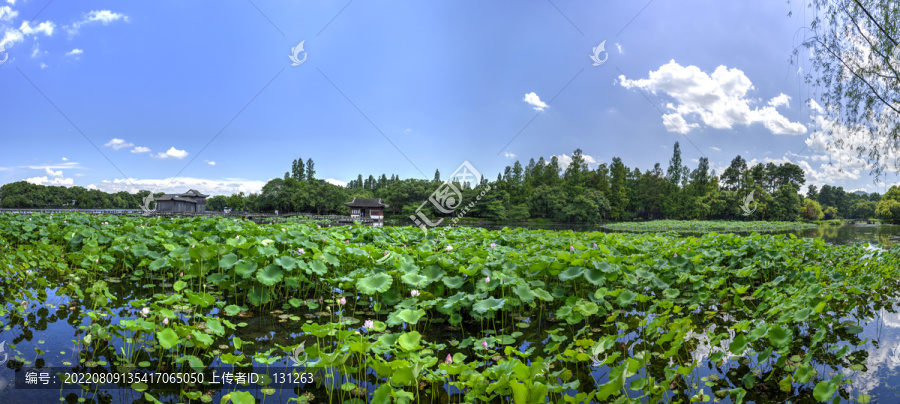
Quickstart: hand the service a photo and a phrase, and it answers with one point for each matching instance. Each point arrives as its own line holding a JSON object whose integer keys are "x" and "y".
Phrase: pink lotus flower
{"x": 323, "y": 239}
{"x": 595, "y": 245}
{"x": 369, "y": 324}
{"x": 318, "y": 227}
{"x": 493, "y": 245}
{"x": 571, "y": 248}
{"x": 449, "y": 359}
{"x": 238, "y": 236}
{"x": 300, "y": 250}
{"x": 166, "y": 321}
{"x": 145, "y": 311}
{"x": 343, "y": 301}
{"x": 414, "y": 293}
{"x": 449, "y": 247}
{"x": 404, "y": 246}
{"x": 542, "y": 247}
{"x": 676, "y": 255}
{"x": 487, "y": 280}
{"x": 484, "y": 344}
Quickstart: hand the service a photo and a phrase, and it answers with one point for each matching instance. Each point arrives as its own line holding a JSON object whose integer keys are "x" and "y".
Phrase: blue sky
{"x": 171, "y": 95}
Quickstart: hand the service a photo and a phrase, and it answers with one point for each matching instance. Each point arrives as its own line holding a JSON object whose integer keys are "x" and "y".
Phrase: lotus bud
{"x": 449, "y": 359}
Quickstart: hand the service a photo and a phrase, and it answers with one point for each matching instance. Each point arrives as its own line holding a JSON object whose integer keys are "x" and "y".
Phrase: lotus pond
{"x": 390, "y": 314}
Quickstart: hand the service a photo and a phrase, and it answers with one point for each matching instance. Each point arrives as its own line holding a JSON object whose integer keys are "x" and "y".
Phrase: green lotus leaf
{"x": 409, "y": 341}
{"x": 287, "y": 262}
{"x": 489, "y": 304}
{"x": 413, "y": 279}
{"x": 244, "y": 268}
{"x": 625, "y": 297}
{"x": 411, "y": 316}
{"x": 270, "y": 275}
{"x": 228, "y": 261}
{"x": 454, "y": 282}
{"x": 167, "y": 338}
{"x": 780, "y": 336}
{"x": 378, "y": 283}
{"x": 571, "y": 273}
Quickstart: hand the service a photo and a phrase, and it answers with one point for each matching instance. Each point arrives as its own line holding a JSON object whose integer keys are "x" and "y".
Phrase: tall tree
{"x": 437, "y": 176}
{"x": 310, "y": 170}
{"x": 676, "y": 169}
{"x": 618, "y": 199}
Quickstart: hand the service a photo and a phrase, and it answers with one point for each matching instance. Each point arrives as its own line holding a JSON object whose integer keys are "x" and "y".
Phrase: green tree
{"x": 618, "y": 193}
{"x": 811, "y": 210}
{"x": 888, "y": 209}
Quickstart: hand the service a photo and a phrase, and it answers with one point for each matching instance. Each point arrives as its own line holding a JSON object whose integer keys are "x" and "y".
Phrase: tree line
{"x": 543, "y": 190}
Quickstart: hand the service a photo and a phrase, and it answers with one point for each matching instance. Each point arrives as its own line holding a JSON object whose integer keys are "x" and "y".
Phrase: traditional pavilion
{"x": 363, "y": 208}
{"x": 191, "y": 201}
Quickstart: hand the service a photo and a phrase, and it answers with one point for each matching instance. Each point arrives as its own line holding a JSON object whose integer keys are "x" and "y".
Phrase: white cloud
{"x": 102, "y": 16}
{"x": 75, "y": 51}
{"x": 140, "y": 149}
{"x": 52, "y": 178}
{"x": 714, "y": 148}
{"x": 565, "y": 160}
{"x": 13, "y": 2}
{"x": 509, "y": 155}
{"x": 7, "y": 13}
{"x": 535, "y": 101}
{"x": 779, "y": 100}
{"x": 172, "y": 152}
{"x": 53, "y": 173}
{"x": 619, "y": 47}
{"x": 71, "y": 165}
{"x": 210, "y": 162}
{"x": 37, "y": 51}
{"x": 224, "y": 186}
{"x": 815, "y": 106}
{"x": 65, "y": 159}
{"x": 45, "y": 27}
{"x": 719, "y": 99}
{"x": 10, "y": 37}
{"x": 336, "y": 182}
{"x": 66, "y": 182}
{"x": 117, "y": 143}
{"x": 43, "y": 65}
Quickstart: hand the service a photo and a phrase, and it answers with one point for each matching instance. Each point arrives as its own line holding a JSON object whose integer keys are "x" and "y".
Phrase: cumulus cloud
{"x": 43, "y": 65}
{"x": 75, "y": 51}
{"x": 565, "y": 161}
{"x": 210, "y": 162}
{"x": 535, "y": 101}
{"x": 60, "y": 181}
{"x": 52, "y": 178}
{"x": 117, "y": 143}
{"x": 718, "y": 100}
{"x": 7, "y": 13}
{"x": 224, "y": 186}
{"x": 140, "y": 149}
{"x": 10, "y": 37}
{"x": 714, "y": 148}
{"x": 45, "y": 27}
{"x": 171, "y": 153}
{"x": 509, "y": 155}
{"x": 336, "y": 182}
{"x": 779, "y": 100}
{"x": 65, "y": 159}
{"x": 97, "y": 16}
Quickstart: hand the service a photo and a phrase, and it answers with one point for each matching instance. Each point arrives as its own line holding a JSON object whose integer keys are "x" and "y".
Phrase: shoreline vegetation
{"x": 540, "y": 190}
